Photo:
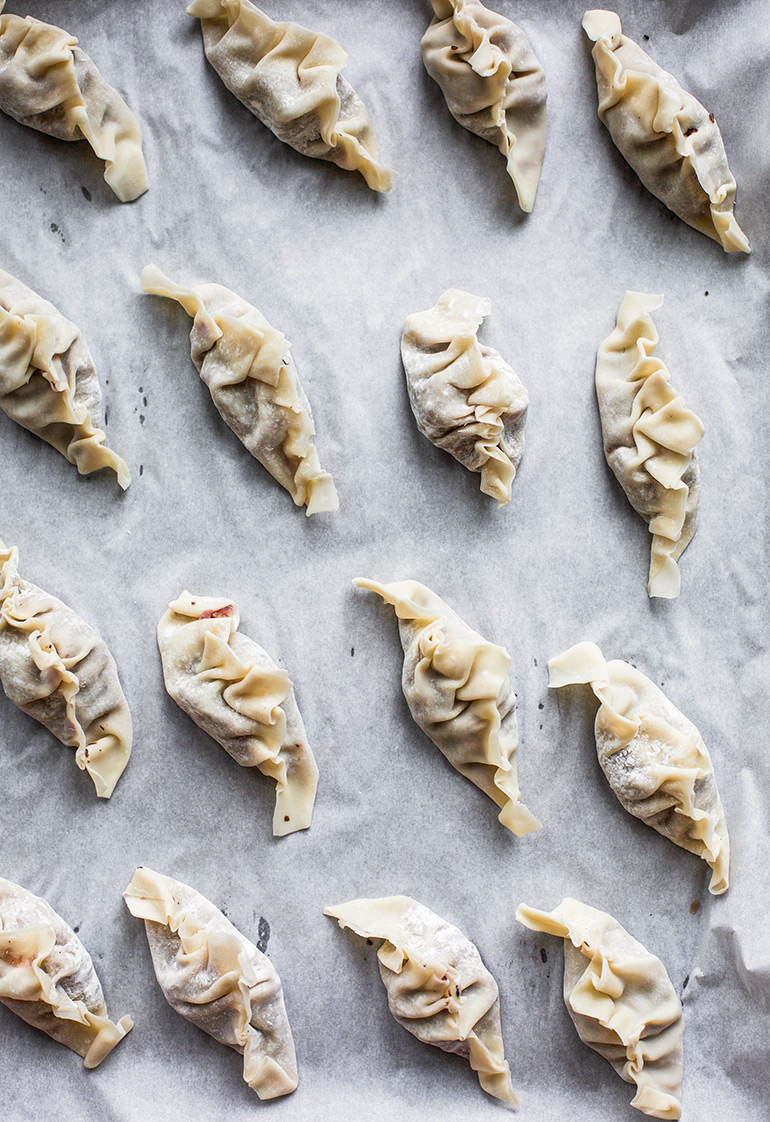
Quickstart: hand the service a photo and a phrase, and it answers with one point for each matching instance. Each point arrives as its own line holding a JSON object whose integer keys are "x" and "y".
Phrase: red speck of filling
{"x": 218, "y": 614}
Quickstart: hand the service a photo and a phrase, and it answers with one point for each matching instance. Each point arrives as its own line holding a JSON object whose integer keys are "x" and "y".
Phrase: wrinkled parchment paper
{"x": 337, "y": 269}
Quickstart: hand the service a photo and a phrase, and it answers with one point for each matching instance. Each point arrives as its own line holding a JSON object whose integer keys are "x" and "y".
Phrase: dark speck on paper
{"x": 706, "y": 292}
{"x": 86, "y": 194}
{"x": 694, "y": 907}
{"x": 540, "y": 727}
{"x": 144, "y": 401}
{"x": 352, "y": 651}
{"x": 263, "y": 934}
{"x": 141, "y": 418}
{"x": 535, "y": 661}
{"x": 544, "y": 954}
{"x": 369, "y": 943}
{"x": 540, "y": 705}
{"x": 106, "y": 414}
{"x": 55, "y": 230}
{"x": 141, "y": 469}
{"x": 686, "y": 982}
{"x": 646, "y": 38}
{"x": 76, "y": 928}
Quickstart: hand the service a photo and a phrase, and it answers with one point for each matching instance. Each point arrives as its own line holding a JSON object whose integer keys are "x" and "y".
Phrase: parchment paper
{"x": 337, "y": 269}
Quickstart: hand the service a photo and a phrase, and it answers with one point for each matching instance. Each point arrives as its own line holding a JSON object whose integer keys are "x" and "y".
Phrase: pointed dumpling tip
{"x": 153, "y": 280}
{"x": 598, "y": 23}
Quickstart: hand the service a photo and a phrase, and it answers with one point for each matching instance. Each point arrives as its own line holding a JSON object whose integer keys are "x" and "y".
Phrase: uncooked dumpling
{"x": 48, "y": 383}
{"x": 250, "y": 373}
{"x": 654, "y": 758}
{"x": 234, "y": 691}
{"x": 216, "y": 978}
{"x": 438, "y": 987}
{"x": 459, "y": 692}
{"x": 670, "y": 140}
{"x": 57, "y": 669}
{"x": 621, "y": 1001}
{"x": 48, "y": 979}
{"x": 650, "y": 438}
{"x": 493, "y": 84}
{"x": 50, "y": 84}
{"x": 289, "y": 78}
{"x": 465, "y": 398}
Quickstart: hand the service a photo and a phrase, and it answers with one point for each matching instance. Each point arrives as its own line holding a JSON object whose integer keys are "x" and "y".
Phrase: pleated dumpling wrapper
{"x": 465, "y": 397}
{"x": 493, "y": 84}
{"x": 48, "y": 383}
{"x": 234, "y": 691}
{"x": 438, "y": 987}
{"x": 654, "y": 758}
{"x": 50, "y": 84}
{"x": 55, "y": 668}
{"x": 458, "y": 689}
{"x": 670, "y": 140}
{"x": 250, "y": 373}
{"x": 48, "y": 979}
{"x": 650, "y": 438}
{"x": 621, "y": 1001}
{"x": 290, "y": 79}
{"x": 216, "y": 978}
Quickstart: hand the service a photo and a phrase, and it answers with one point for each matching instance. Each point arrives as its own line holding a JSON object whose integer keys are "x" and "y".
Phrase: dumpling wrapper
{"x": 56, "y": 668}
{"x": 50, "y": 84}
{"x": 664, "y": 133}
{"x": 234, "y": 691}
{"x": 465, "y": 398}
{"x": 438, "y": 987}
{"x": 48, "y": 383}
{"x": 654, "y": 758}
{"x": 458, "y": 689}
{"x": 289, "y": 78}
{"x": 493, "y": 83}
{"x": 621, "y": 1001}
{"x": 48, "y": 979}
{"x": 650, "y": 438}
{"x": 216, "y": 978}
{"x": 250, "y": 373}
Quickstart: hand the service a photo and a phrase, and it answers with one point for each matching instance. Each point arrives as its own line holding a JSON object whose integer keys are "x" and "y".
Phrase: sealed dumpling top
{"x": 48, "y": 382}
{"x": 670, "y": 140}
{"x": 48, "y": 979}
{"x": 650, "y": 437}
{"x": 493, "y": 84}
{"x": 465, "y": 397}
{"x": 50, "y": 84}
{"x": 457, "y": 685}
{"x": 621, "y": 1001}
{"x": 654, "y": 758}
{"x": 438, "y": 987}
{"x": 249, "y": 370}
{"x": 290, "y": 78}
{"x": 215, "y": 977}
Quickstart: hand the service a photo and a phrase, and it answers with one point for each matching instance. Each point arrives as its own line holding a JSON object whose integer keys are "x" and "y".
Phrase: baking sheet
{"x": 337, "y": 269}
